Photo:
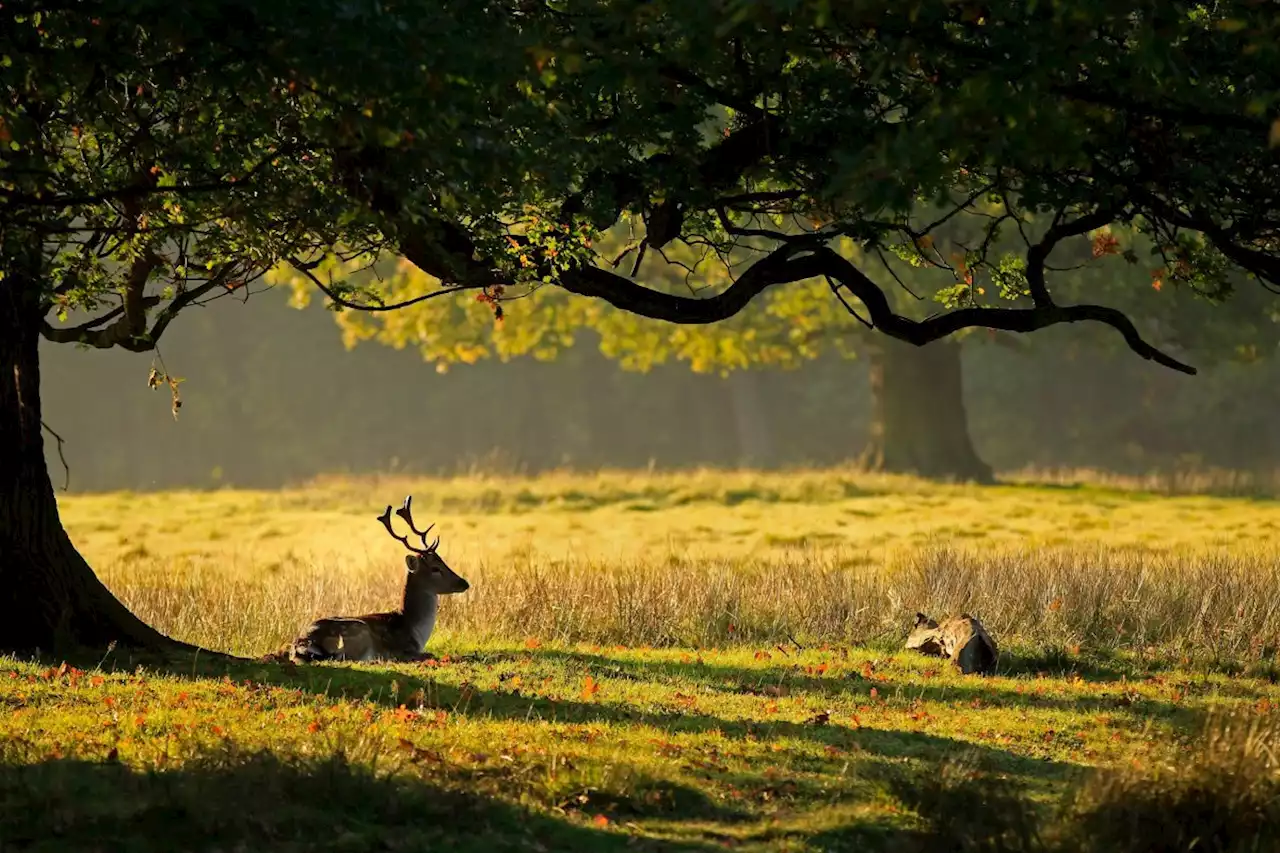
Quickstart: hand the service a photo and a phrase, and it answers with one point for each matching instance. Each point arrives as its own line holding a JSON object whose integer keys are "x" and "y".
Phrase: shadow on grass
{"x": 991, "y": 693}
{"x": 393, "y": 688}
{"x": 262, "y": 802}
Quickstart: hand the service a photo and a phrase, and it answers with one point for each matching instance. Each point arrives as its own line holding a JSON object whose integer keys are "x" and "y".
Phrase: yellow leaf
{"x": 1273, "y": 139}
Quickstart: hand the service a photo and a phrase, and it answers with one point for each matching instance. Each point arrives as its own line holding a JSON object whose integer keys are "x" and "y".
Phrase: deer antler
{"x": 406, "y": 513}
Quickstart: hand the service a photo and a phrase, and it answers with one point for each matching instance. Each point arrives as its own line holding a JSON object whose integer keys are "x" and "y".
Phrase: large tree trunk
{"x": 918, "y": 422}
{"x": 50, "y": 600}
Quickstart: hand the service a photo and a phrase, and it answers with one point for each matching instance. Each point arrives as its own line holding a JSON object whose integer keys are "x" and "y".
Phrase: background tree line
{"x": 272, "y": 396}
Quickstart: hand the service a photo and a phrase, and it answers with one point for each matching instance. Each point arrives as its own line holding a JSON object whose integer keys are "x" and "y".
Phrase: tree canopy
{"x": 753, "y": 145}
{"x": 154, "y": 156}
{"x": 490, "y": 144}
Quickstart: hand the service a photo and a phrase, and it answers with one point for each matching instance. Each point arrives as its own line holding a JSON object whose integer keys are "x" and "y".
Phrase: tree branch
{"x": 138, "y": 190}
{"x": 783, "y": 267}
{"x": 358, "y": 306}
{"x": 66, "y": 469}
{"x": 120, "y": 332}
{"x": 130, "y": 318}
{"x": 920, "y": 332}
{"x": 71, "y": 334}
{"x": 1038, "y": 253}
{"x": 1092, "y": 93}
{"x": 778, "y": 267}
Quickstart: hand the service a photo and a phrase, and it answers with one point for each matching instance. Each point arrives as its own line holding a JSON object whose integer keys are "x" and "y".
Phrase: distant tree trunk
{"x": 50, "y": 600}
{"x": 918, "y": 420}
{"x": 755, "y": 442}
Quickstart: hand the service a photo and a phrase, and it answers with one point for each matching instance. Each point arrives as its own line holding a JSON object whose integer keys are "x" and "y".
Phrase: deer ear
{"x": 921, "y": 619}
{"x": 411, "y": 562}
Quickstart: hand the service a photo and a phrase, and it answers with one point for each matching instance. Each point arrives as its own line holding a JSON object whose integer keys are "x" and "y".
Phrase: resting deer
{"x": 961, "y": 638}
{"x": 399, "y": 634}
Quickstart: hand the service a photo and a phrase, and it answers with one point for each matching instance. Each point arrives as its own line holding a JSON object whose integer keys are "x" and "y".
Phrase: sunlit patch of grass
{"x": 1209, "y": 604}
{"x": 757, "y": 745}
{"x": 685, "y": 661}
{"x": 482, "y": 518}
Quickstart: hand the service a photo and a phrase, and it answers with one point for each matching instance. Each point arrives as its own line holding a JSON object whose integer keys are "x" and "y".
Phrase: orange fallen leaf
{"x": 590, "y": 687}
{"x": 600, "y": 820}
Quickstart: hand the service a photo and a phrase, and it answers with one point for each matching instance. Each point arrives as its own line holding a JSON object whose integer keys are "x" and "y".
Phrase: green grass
{"x": 722, "y": 670}
{"x": 768, "y": 749}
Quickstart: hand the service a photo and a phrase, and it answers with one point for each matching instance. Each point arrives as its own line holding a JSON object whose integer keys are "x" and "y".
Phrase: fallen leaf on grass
{"x": 417, "y": 754}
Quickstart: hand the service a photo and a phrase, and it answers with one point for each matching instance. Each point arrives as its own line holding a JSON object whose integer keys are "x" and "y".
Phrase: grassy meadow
{"x": 692, "y": 661}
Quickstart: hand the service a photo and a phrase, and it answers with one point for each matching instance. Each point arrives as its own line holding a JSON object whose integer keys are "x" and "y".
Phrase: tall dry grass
{"x": 1208, "y": 603}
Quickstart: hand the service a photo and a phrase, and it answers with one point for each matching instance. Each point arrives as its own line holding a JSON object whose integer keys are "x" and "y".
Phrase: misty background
{"x": 272, "y": 397}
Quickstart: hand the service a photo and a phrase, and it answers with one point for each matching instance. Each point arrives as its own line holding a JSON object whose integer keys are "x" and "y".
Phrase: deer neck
{"x": 420, "y": 610}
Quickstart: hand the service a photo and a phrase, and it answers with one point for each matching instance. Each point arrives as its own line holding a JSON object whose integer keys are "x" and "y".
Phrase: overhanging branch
{"x": 125, "y": 333}
{"x": 920, "y": 332}
{"x": 1038, "y": 253}
{"x": 362, "y": 306}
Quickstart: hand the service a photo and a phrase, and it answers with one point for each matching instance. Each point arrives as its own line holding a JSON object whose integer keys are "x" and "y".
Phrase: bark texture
{"x": 50, "y": 599}
{"x": 918, "y": 422}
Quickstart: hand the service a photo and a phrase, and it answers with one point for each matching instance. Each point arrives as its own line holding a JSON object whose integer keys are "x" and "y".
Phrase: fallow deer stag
{"x": 399, "y": 634}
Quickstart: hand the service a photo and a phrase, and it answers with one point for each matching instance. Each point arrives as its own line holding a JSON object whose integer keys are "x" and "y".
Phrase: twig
{"x": 66, "y": 482}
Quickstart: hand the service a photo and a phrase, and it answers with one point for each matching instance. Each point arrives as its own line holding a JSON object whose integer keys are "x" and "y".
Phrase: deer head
{"x": 427, "y": 569}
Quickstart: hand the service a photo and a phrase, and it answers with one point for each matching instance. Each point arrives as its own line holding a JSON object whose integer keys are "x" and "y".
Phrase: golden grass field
{"x": 661, "y": 559}
{"x": 691, "y": 661}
